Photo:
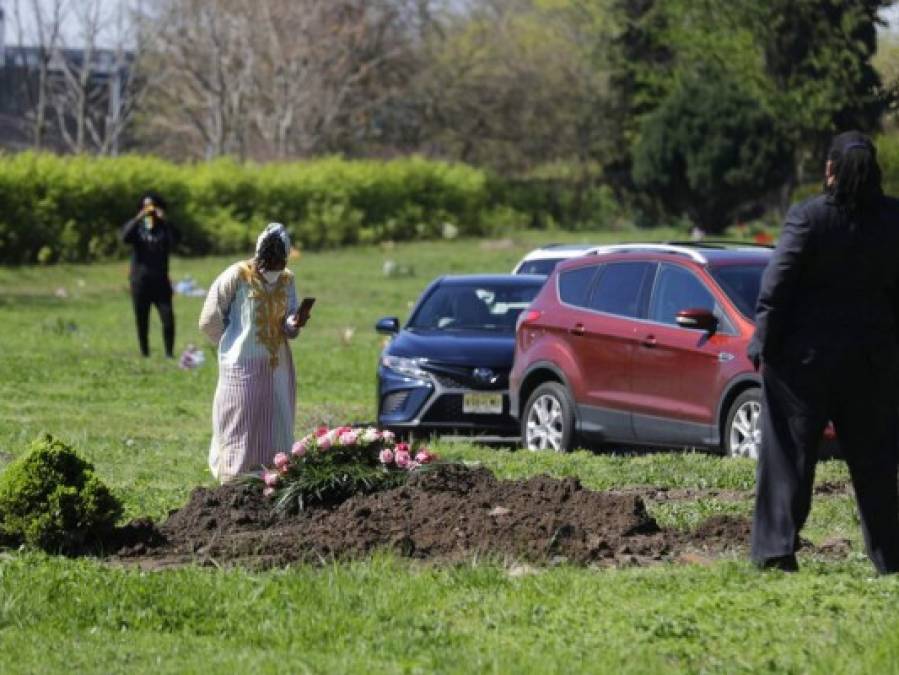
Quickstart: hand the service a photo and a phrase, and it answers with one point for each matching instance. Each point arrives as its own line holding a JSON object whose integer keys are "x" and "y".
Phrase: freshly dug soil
{"x": 449, "y": 513}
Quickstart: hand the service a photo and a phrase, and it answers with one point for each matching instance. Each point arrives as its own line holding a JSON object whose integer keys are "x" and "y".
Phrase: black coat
{"x": 832, "y": 283}
{"x": 152, "y": 247}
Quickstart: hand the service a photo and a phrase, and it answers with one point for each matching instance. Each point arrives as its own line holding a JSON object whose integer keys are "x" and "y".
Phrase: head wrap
{"x": 155, "y": 197}
{"x": 274, "y": 230}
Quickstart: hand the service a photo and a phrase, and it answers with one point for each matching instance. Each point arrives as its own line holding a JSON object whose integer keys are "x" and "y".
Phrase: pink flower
{"x": 348, "y": 438}
{"x": 321, "y": 431}
{"x": 282, "y": 461}
{"x": 268, "y": 492}
{"x": 271, "y": 478}
{"x": 412, "y": 466}
{"x": 300, "y": 447}
{"x": 324, "y": 442}
{"x": 388, "y": 436}
{"x": 386, "y": 456}
{"x": 402, "y": 447}
{"x": 402, "y": 457}
{"x": 425, "y": 456}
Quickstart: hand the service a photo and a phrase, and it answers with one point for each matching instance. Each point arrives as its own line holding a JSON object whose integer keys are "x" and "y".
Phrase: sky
{"x": 109, "y": 37}
{"x": 891, "y": 15}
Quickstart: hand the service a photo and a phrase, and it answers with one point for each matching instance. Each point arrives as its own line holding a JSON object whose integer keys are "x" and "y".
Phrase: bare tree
{"x": 204, "y": 60}
{"x": 75, "y": 93}
{"x": 513, "y": 83}
{"x": 273, "y": 78}
{"x": 100, "y": 88}
{"x": 38, "y": 23}
{"x": 128, "y": 82}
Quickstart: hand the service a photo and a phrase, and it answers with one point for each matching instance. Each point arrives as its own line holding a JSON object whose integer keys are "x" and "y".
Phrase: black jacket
{"x": 150, "y": 260}
{"x": 832, "y": 283}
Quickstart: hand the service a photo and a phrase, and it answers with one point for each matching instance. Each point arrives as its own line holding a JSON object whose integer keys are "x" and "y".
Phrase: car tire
{"x": 742, "y": 433}
{"x": 547, "y": 421}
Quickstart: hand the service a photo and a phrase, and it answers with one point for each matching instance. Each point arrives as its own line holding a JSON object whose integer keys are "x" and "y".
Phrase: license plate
{"x": 482, "y": 404}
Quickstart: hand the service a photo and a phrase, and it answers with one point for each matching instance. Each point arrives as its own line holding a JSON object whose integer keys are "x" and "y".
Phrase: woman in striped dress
{"x": 250, "y": 312}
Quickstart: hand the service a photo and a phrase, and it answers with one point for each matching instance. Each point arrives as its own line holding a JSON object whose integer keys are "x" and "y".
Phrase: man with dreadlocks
{"x": 827, "y": 326}
{"x": 250, "y": 312}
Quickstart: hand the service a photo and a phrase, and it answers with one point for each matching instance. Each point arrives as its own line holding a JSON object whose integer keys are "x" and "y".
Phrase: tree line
{"x": 709, "y": 110}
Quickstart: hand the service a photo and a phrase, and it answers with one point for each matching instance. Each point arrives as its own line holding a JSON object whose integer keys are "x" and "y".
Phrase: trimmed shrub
{"x": 51, "y": 499}
{"x": 71, "y": 208}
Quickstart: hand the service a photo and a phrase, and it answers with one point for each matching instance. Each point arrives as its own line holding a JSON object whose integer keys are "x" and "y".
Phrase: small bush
{"x": 51, "y": 499}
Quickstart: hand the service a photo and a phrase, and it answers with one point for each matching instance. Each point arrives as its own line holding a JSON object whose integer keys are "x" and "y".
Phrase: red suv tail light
{"x": 528, "y": 317}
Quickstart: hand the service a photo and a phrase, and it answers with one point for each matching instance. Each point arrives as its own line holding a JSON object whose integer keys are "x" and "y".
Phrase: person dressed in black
{"x": 153, "y": 239}
{"x": 827, "y": 326}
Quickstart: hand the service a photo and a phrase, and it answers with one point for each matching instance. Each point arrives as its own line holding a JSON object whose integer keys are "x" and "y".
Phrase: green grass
{"x": 388, "y": 616}
{"x": 146, "y": 426}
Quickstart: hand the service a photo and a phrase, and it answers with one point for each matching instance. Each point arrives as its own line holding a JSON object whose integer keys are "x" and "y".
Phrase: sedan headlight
{"x": 404, "y": 366}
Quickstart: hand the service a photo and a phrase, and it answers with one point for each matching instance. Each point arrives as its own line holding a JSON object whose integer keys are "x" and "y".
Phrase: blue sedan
{"x": 448, "y": 369}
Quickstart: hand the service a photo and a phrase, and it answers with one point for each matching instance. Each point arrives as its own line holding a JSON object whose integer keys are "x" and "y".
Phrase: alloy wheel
{"x": 745, "y": 433}
{"x": 544, "y": 424}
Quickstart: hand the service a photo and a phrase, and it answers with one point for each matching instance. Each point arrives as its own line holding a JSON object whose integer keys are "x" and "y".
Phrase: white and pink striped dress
{"x": 253, "y": 410}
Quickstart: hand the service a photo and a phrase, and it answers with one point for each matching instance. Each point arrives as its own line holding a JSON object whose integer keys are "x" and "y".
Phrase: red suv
{"x": 642, "y": 344}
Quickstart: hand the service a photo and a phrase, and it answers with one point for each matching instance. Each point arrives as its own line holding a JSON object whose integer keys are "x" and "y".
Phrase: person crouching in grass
{"x": 251, "y": 312}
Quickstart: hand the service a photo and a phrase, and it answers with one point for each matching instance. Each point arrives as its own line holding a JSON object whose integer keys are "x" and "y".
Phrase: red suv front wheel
{"x": 547, "y": 422}
{"x": 742, "y": 435}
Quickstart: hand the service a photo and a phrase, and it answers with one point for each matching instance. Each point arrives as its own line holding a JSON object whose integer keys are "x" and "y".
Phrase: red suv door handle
{"x": 578, "y": 329}
{"x": 649, "y": 341}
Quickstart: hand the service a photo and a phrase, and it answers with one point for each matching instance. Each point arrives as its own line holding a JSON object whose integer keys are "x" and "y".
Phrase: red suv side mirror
{"x": 698, "y": 319}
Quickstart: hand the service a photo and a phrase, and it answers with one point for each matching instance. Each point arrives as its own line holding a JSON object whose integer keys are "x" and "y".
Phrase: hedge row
{"x": 70, "y": 208}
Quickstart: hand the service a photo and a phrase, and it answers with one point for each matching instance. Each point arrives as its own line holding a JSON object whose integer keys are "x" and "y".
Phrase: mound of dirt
{"x": 722, "y": 533}
{"x": 451, "y": 512}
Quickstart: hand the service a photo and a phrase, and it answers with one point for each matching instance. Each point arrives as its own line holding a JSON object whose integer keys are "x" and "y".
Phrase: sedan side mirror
{"x": 388, "y": 325}
{"x": 697, "y": 319}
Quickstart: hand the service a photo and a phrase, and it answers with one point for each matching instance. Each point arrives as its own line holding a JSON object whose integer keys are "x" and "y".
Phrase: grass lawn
{"x": 69, "y": 366}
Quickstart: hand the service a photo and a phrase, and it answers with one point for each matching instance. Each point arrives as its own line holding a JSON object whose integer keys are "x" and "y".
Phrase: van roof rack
{"x": 676, "y": 249}
{"x": 719, "y": 244}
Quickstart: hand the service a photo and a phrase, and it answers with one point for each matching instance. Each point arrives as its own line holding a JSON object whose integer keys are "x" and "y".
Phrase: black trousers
{"x": 147, "y": 292}
{"x": 856, "y": 388}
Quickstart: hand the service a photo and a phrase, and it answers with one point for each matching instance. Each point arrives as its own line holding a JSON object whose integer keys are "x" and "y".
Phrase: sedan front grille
{"x": 462, "y": 377}
{"x": 449, "y": 381}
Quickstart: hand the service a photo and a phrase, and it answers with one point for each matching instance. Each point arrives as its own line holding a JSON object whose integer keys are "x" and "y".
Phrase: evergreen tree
{"x": 708, "y": 149}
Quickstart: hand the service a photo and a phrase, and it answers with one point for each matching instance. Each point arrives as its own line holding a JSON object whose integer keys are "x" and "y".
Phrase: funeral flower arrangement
{"x": 330, "y": 465}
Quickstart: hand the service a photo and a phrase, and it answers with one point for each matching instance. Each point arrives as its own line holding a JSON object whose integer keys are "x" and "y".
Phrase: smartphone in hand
{"x": 304, "y": 311}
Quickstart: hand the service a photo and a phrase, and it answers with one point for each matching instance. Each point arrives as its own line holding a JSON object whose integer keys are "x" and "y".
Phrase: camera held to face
{"x": 150, "y": 213}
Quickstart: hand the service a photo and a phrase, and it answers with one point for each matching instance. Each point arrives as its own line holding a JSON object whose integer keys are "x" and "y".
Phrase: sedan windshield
{"x": 741, "y": 283}
{"x": 473, "y": 307}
